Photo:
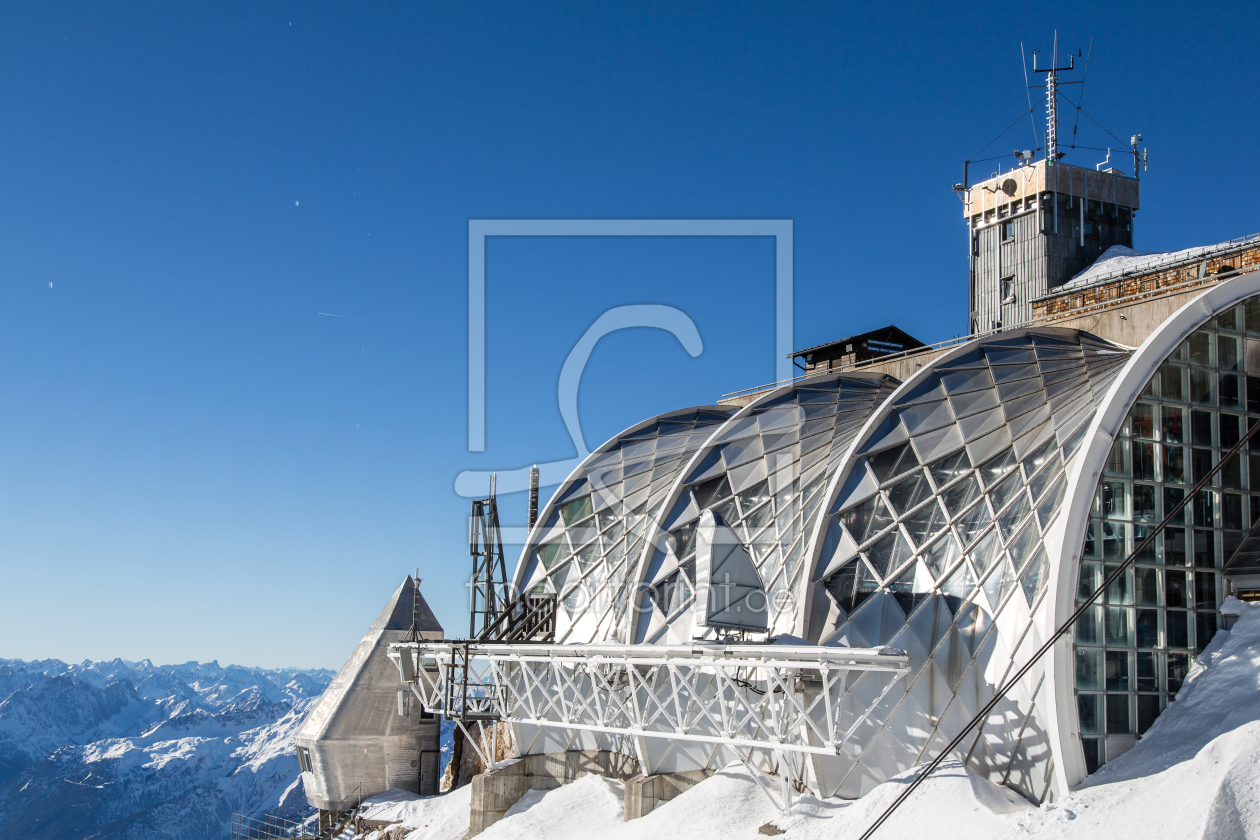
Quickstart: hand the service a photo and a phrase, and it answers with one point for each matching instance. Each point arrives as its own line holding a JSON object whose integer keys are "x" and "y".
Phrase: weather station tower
{"x": 1035, "y": 226}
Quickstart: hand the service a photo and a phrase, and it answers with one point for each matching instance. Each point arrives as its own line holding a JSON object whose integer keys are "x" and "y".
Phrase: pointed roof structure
{"x": 354, "y": 734}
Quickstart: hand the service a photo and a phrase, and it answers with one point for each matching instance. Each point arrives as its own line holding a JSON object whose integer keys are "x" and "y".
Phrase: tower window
{"x": 1008, "y": 231}
{"x": 1007, "y": 286}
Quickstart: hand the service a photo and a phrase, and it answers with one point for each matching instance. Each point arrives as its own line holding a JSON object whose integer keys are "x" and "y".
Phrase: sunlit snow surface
{"x": 1195, "y": 774}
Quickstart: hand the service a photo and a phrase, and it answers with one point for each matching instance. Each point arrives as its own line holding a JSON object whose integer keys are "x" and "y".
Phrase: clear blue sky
{"x": 194, "y": 464}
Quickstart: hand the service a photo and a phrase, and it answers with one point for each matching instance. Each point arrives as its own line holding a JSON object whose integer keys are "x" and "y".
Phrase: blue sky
{"x": 195, "y": 464}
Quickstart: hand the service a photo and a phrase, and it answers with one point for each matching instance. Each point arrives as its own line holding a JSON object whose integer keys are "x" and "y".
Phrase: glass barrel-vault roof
{"x": 764, "y": 473}
{"x": 590, "y": 533}
{"x": 933, "y": 544}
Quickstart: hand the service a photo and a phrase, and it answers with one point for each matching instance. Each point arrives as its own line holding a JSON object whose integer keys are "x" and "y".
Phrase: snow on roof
{"x": 1118, "y": 261}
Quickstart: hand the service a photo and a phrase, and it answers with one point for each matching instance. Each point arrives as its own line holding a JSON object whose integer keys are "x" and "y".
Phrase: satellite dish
{"x": 729, "y": 592}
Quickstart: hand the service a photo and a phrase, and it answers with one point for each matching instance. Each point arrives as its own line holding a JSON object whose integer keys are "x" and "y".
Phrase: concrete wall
{"x": 495, "y": 792}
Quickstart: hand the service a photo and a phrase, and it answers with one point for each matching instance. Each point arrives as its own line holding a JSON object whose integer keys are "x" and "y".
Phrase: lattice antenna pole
{"x": 1052, "y": 99}
{"x": 489, "y": 584}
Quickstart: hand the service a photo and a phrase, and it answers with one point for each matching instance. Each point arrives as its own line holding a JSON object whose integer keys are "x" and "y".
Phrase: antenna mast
{"x": 489, "y": 582}
{"x": 1052, "y": 99}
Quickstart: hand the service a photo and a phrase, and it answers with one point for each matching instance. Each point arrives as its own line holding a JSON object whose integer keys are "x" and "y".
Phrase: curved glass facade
{"x": 1136, "y": 645}
{"x": 593, "y": 530}
{"x": 764, "y": 473}
{"x": 944, "y": 517}
{"x": 934, "y": 544}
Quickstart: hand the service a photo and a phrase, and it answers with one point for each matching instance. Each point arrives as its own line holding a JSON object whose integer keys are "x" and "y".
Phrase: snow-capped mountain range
{"x": 135, "y": 750}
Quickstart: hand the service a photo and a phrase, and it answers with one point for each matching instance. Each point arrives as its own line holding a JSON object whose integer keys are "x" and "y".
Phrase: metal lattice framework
{"x": 766, "y": 705}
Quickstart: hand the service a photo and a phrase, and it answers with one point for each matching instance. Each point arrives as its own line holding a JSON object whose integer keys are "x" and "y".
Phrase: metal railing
{"x": 904, "y": 354}
{"x": 271, "y": 827}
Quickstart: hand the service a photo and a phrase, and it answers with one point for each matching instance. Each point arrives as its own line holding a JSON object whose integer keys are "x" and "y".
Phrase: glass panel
{"x": 1230, "y": 391}
{"x": 925, "y": 522}
{"x": 1200, "y": 344}
{"x": 1118, "y": 460}
{"x": 1119, "y": 716}
{"x": 1148, "y": 671}
{"x": 1148, "y": 710}
{"x": 1173, "y": 462}
{"x": 942, "y": 554}
{"x": 909, "y": 492}
{"x": 950, "y": 468}
{"x": 1091, "y": 577}
{"x": 1089, "y": 672}
{"x": 1007, "y": 490}
{"x": 1177, "y": 626}
{"x": 1115, "y": 499}
{"x": 1204, "y": 550}
{"x": 1178, "y": 668}
{"x": 1119, "y": 626}
{"x": 1204, "y": 628}
{"x": 1089, "y": 627}
{"x": 1119, "y": 663}
{"x": 1143, "y": 461}
{"x": 866, "y": 519}
{"x": 1202, "y": 386}
{"x": 961, "y": 495}
{"x": 1144, "y": 503}
{"x": 888, "y": 553}
{"x": 1172, "y": 382}
{"x": 1148, "y": 628}
{"x": 1171, "y": 424}
{"x": 1090, "y": 709}
{"x": 1146, "y": 586}
{"x": 973, "y": 522}
{"x": 1142, "y": 421}
{"x": 1227, "y": 352}
{"x": 996, "y": 467}
{"x": 1121, "y": 589}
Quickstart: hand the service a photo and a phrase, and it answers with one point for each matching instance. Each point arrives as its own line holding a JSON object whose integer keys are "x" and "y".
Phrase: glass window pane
{"x": 1204, "y": 552}
{"x": 1148, "y": 710}
{"x": 1119, "y": 716}
{"x": 1174, "y": 542}
{"x": 1118, "y": 663}
{"x": 1093, "y": 753}
{"x": 1118, "y": 461}
{"x": 1146, "y": 586}
{"x": 1177, "y": 625}
{"x": 1147, "y": 671}
{"x": 1201, "y": 428}
{"x": 1143, "y": 461}
{"x": 1230, "y": 391}
{"x": 1148, "y": 628}
{"x": 1089, "y": 630}
{"x": 1178, "y": 667}
{"x": 1142, "y": 421}
{"x": 1171, "y": 424}
{"x": 1172, "y": 382}
{"x": 1144, "y": 503}
{"x": 1115, "y": 499}
{"x": 1090, "y": 709}
{"x": 1089, "y": 671}
{"x": 1204, "y": 628}
{"x": 1227, "y": 352}
{"x": 1200, "y": 345}
{"x": 1121, "y": 589}
{"x": 1119, "y": 626}
{"x": 1091, "y": 578}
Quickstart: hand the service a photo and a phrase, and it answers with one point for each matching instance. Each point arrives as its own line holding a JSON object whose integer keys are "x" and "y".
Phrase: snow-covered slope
{"x": 1195, "y": 774}
{"x": 133, "y": 750}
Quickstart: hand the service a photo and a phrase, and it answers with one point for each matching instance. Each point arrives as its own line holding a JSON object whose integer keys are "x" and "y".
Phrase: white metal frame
{"x": 766, "y": 706}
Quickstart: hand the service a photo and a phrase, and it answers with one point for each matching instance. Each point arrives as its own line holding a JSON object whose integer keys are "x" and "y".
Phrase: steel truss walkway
{"x": 767, "y": 706}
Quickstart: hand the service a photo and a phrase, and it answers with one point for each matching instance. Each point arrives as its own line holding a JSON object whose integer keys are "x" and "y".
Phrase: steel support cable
{"x": 1169, "y": 519}
{"x": 1081, "y": 98}
{"x": 1005, "y": 130}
